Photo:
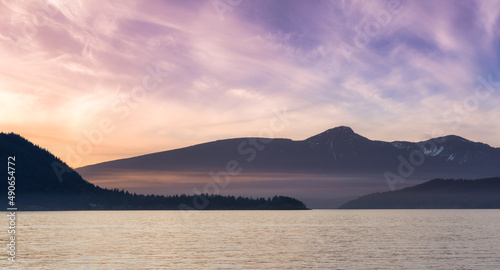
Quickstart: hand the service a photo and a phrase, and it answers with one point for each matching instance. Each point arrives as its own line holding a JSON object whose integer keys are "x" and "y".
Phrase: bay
{"x": 316, "y": 239}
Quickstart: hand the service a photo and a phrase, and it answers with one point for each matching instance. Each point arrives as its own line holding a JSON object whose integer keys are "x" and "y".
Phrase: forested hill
{"x": 44, "y": 182}
{"x": 435, "y": 194}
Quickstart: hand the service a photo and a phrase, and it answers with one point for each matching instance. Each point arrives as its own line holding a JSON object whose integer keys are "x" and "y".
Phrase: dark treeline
{"x": 44, "y": 182}
{"x": 105, "y": 199}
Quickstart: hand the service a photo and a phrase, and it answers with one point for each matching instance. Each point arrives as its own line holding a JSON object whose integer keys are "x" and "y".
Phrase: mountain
{"x": 335, "y": 150}
{"x": 435, "y": 194}
{"x": 324, "y": 170}
{"x": 41, "y": 181}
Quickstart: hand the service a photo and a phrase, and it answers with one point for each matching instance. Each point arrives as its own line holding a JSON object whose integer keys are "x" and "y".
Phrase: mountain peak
{"x": 342, "y": 129}
{"x": 453, "y": 138}
{"x": 338, "y": 134}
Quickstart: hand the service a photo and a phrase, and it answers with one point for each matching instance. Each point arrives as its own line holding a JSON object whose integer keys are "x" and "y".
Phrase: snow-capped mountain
{"x": 337, "y": 161}
{"x": 336, "y": 150}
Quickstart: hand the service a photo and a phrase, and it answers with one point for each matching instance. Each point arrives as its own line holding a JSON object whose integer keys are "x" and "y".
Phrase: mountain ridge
{"x": 332, "y": 166}
{"x": 340, "y": 140}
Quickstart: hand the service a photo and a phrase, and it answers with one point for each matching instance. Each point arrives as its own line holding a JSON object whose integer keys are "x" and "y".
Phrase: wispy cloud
{"x": 65, "y": 64}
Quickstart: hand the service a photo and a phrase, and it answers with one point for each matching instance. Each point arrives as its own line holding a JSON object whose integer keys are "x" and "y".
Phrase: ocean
{"x": 315, "y": 239}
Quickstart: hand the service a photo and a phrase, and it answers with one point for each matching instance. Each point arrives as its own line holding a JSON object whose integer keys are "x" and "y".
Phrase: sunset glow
{"x": 93, "y": 81}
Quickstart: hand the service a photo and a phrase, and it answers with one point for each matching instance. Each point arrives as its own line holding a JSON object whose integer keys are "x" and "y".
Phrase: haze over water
{"x": 317, "y": 239}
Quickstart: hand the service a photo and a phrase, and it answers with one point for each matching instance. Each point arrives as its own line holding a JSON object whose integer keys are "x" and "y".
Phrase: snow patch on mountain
{"x": 400, "y": 145}
{"x": 433, "y": 151}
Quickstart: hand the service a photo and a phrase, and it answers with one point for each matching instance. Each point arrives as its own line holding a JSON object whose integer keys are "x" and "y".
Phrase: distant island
{"x": 43, "y": 182}
{"x": 435, "y": 194}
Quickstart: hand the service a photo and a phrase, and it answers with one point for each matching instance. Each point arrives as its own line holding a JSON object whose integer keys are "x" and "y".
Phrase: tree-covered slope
{"x": 435, "y": 194}
{"x": 44, "y": 182}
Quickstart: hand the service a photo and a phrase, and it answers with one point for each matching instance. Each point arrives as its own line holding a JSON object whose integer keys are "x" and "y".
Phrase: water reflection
{"x": 318, "y": 239}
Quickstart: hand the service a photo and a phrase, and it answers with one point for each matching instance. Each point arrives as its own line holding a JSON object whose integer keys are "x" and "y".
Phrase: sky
{"x": 93, "y": 81}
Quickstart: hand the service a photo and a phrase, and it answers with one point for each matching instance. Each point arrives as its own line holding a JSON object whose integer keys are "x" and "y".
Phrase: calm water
{"x": 317, "y": 239}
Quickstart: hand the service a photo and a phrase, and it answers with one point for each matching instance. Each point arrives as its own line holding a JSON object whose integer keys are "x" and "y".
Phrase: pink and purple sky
{"x": 159, "y": 75}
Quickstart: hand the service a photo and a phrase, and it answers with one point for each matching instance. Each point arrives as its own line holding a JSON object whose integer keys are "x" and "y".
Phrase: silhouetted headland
{"x": 44, "y": 182}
